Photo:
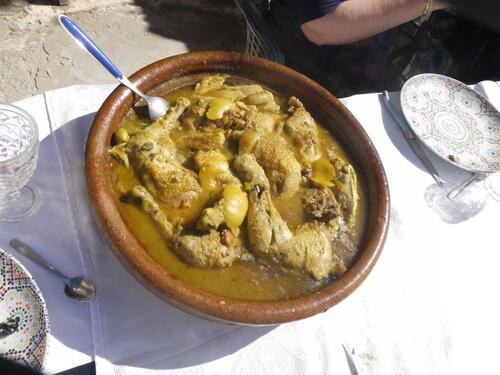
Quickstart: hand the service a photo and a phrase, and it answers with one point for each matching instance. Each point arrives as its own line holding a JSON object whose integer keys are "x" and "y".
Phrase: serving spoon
{"x": 78, "y": 288}
{"x": 157, "y": 106}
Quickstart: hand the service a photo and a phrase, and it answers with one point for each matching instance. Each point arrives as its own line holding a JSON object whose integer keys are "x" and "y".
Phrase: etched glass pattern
{"x": 18, "y": 157}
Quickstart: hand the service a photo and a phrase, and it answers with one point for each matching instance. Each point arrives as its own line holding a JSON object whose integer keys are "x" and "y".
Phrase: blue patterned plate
{"x": 454, "y": 121}
{"x": 21, "y": 301}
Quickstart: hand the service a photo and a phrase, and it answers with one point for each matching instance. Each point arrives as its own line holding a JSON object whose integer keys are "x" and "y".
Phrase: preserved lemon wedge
{"x": 323, "y": 172}
{"x": 208, "y": 174}
{"x": 217, "y": 107}
{"x": 235, "y": 206}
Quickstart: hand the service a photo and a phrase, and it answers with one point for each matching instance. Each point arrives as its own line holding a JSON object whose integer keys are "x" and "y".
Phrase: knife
{"x": 350, "y": 361}
{"x": 412, "y": 140}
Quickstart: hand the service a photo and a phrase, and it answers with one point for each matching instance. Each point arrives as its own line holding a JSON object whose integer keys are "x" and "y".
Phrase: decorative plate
{"x": 22, "y": 304}
{"x": 454, "y": 121}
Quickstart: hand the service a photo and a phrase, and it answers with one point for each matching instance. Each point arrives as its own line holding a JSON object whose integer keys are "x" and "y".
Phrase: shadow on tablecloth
{"x": 467, "y": 205}
{"x": 131, "y": 326}
{"x": 49, "y": 231}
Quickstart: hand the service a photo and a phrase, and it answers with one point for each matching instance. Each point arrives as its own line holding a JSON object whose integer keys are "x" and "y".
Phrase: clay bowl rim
{"x": 133, "y": 255}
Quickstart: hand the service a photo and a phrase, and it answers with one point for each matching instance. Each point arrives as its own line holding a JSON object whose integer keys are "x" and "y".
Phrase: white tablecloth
{"x": 429, "y": 306}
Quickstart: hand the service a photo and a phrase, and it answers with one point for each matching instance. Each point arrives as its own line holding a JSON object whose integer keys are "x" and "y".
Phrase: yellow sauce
{"x": 243, "y": 280}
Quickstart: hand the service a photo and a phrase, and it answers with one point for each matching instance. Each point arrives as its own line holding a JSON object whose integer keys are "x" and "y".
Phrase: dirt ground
{"x": 37, "y": 55}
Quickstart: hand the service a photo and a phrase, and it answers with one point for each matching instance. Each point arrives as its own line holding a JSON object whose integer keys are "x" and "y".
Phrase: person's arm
{"x": 354, "y": 20}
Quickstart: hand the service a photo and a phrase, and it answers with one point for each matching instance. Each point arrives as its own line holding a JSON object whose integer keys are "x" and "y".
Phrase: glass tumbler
{"x": 18, "y": 156}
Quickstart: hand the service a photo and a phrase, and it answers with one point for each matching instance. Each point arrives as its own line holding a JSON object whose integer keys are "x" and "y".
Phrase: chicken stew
{"x": 239, "y": 192}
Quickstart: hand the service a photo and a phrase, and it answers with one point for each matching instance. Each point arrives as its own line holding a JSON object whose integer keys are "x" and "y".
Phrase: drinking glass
{"x": 18, "y": 157}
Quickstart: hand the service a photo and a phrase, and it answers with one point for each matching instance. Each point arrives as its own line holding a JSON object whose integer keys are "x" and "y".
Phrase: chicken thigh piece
{"x": 141, "y": 146}
{"x": 320, "y": 203}
{"x": 272, "y": 153}
{"x": 195, "y": 113}
{"x": 250, "y": 171}
{"x": 300, "y": 126}
{"x": 198, "y": 250}
{"x": 211, "y": 218}
{"x": 309, "y": 248}
{"x": 346, "y": 187}
{"x": 152, "y": 155}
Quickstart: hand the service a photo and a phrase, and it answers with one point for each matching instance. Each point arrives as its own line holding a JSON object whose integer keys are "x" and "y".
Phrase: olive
{"x": 122, "y": 136}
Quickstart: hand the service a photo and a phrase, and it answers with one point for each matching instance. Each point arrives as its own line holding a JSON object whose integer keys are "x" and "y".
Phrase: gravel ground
{"x": 36, "y": 55}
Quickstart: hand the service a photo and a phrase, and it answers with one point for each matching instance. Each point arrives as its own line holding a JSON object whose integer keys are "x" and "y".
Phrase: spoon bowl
{"x": 79, "y": 288}
{"x": 157, "y": 107}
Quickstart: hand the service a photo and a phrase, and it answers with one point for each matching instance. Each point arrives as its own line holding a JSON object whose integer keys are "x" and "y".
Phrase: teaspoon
{"x": 157, "y": 106}
{"x": 78, "y": 288}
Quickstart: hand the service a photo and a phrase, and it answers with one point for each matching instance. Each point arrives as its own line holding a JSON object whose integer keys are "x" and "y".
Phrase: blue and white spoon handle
{"x": 89, "y": 45}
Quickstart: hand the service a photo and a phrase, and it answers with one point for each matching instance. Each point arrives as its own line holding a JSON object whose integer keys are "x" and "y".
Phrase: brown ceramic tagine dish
{"x": 170, "y": 74}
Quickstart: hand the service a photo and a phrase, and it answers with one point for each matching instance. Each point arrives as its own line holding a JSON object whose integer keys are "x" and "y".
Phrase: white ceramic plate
{"x": 21, "y": 298}
{"x": 454, "y": 121}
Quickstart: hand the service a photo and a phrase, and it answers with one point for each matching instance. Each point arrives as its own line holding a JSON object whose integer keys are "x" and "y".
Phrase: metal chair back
{"x": 260, "y": 41}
